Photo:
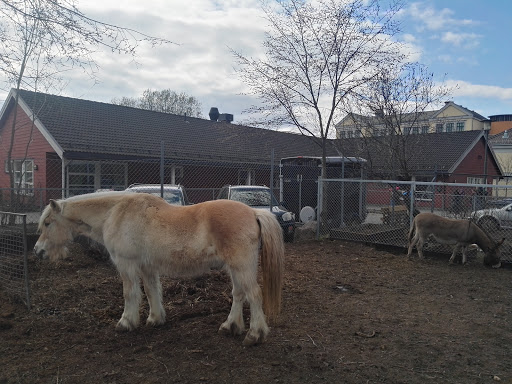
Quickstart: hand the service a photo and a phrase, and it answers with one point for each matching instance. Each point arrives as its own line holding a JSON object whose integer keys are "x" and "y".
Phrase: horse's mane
{"x": 95, "y": 195}
{"x": 86, "y": 196}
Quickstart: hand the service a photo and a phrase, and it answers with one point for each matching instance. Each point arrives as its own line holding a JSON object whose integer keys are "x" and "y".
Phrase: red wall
{"x": 37, "y": 148}
{"x": 473, "y": 165}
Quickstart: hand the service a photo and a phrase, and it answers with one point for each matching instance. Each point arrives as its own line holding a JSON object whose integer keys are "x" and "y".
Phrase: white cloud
{"x": 408, "y": 38}
{"x": 200, "y": 63}
{"x": 433, "y": 19}
{"x": 445, "y": 58}
{"x": 466, "y": 40}
{"x": 464, "y": 88}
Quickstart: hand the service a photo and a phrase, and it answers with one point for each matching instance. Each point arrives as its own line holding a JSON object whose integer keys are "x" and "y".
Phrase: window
{"x": 23, "y": 176}
{"x": 81, "y": 178}
{"x": 460, "y": 126}
{"x": 475, "y": 180}
{"x": 112, "y": 176}
{"x": 424, "y": 129}
{"x": 439, "y": 128}
{"x": 415, "y": 130}
{"x": 449, "y": 127}
{"x": 87, "y": 177}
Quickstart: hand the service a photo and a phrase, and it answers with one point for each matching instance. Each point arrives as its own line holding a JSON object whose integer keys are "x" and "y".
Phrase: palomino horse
{"x": 146, "y": 237}
{"x": 460, "y": 233}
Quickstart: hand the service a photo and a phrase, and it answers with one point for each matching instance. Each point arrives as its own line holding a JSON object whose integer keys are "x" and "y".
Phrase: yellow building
{"x": 451, "y": 118}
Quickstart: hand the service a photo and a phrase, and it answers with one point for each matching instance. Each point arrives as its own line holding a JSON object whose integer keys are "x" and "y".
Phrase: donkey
{"x": 460, "y": 233}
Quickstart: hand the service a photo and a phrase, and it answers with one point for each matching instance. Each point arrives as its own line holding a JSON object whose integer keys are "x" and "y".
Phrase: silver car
{"x": 173, "y": 194}
{"x": 494, "y": 218}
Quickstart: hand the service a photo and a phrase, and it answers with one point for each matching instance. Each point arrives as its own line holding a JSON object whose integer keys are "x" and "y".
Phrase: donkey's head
{"x": 56, "y": 232}
{"x": 493, "y": 255}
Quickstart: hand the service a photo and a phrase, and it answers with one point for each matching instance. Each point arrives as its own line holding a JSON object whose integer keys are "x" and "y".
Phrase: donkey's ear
{"x": 55, "y": 206}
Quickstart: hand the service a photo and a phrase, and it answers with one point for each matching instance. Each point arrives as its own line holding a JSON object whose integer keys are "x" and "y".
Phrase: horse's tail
{"x": 272, "y": 262}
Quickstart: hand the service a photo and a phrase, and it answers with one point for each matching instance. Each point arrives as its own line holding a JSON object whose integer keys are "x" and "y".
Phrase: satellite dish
{"x": 307, "y": 214}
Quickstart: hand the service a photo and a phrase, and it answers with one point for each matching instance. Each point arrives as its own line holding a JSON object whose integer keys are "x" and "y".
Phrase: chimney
{"x": 226, "y": 117}
{"x": 214, "y": 113}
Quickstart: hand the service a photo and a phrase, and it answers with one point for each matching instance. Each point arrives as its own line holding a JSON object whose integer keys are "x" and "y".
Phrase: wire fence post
{"x": 162, "y": 165}
{"x": 25, "y": 261}
{"x": 271, "y": 178}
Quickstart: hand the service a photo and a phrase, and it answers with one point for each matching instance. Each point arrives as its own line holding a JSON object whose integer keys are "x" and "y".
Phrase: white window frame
{"x": 475, "y": 180}
{"x": 96, "y": 175}
{"x": 24, "y": 173}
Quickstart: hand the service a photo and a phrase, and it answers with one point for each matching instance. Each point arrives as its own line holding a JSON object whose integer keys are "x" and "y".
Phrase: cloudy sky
{"x": 464, "y": 42}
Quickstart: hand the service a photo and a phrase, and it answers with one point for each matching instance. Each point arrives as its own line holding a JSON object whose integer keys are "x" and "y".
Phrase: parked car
{"x": 494, "y": 218}
{"x": 259, "y": 197}
{"x": 173, "y": 194}
{"x": 498, "y": 203}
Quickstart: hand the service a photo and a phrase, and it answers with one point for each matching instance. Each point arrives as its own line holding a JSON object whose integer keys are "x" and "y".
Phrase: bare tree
{"x": 317, "y": 53}
{"x": 40, "y": 40}
{"x": 166, "y": 101}
{"x": 390, "y": 112}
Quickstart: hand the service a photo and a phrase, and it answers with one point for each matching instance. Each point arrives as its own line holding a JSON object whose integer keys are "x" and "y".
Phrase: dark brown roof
{"x": 82, "y": 126}
{"x": 89, "y": 128}
{"x": 425, "y": 153}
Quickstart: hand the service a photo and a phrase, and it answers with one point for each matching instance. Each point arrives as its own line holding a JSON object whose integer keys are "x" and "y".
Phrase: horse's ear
{"x": 55, "y": 206}
{"x": 500, "y": 242}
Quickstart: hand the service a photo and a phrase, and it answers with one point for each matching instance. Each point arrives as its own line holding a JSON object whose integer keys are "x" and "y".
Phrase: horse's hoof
{"x": 253, "y": 339}
{"x": 152, "y": 322}
{"x": 124, "y": 325}
{"x": 230, "y": 330}
{"x": 121, "y": 328}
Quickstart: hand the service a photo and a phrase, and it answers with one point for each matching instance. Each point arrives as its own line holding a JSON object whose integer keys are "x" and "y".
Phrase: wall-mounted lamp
{"x": 35, "y": 167}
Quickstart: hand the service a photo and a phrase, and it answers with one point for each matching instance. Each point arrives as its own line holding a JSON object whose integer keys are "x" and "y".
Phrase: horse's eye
{"x": 46, "y": 224}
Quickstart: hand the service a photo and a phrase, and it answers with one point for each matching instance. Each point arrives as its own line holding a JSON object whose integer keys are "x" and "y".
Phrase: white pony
{"x": 146, "y": 237}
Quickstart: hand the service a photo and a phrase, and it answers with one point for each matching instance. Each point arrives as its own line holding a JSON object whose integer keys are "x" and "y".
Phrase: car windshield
{"x": 174, "y": 197}
{"x": 252, "y": 197}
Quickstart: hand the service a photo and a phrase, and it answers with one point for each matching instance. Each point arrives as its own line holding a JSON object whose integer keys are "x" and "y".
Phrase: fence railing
{"x": 381, "y": 212}
{"x": 370, "y": 211}
{"x": 14, "y": 256}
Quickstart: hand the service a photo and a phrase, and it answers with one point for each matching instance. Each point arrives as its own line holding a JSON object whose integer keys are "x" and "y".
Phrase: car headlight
{"x": 288, "y": 216}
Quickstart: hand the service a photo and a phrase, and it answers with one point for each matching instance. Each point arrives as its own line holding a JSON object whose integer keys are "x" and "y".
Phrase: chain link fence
{"x": 381, "y": 212}
{"x": 13, "y": 256}
{"x": 51, "y": 178}
{"x": 345, "y": 205}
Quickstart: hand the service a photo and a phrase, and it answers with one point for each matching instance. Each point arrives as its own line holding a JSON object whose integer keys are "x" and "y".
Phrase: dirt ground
{"x": 351, "y": 314}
